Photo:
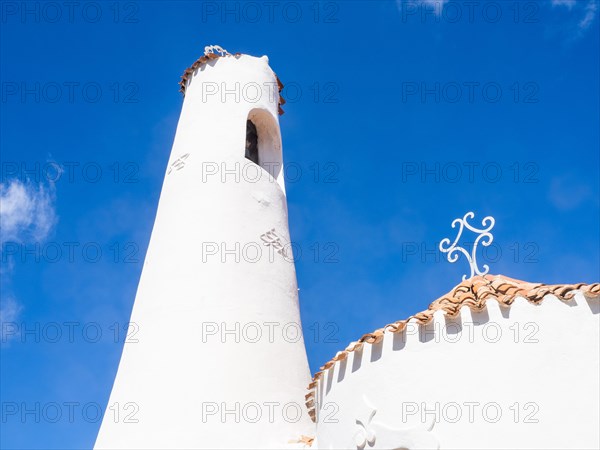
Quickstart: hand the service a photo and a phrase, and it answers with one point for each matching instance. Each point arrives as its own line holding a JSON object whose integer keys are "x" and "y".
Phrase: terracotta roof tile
{"x": 214, "y": 56}
{"x": 473, "y": 293}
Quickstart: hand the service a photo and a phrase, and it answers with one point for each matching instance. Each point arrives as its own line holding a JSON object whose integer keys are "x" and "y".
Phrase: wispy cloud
{"x": 9, "y": 310}
{"x": 435, "y": 5}
{"x": 26, "y": 211}
{"x": 585, "y": 10}
{"x": 590, "y": 14}
{"x": 568, "y": 3}
{"x": 27, "y": 214}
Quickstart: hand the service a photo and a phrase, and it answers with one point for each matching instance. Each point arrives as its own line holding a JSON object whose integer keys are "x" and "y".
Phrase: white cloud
{"x": 9, "y": 314}
{"x": 9, "y": 309}
{"x": 26, "y": 212}
{"x": 590, "y": 14}
{"x": 585, "y": 9}
{"x": 433, "y": 5}
{"x": 568, "y": 3}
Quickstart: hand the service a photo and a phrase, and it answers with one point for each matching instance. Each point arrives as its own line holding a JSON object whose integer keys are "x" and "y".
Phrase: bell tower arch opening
{"x": 263, "y": 143}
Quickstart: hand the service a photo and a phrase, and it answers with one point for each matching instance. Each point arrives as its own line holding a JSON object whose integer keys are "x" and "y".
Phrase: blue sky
{"x": 402, "y": 116}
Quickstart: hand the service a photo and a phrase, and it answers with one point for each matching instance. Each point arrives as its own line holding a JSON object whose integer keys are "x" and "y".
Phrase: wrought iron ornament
{"x": 216, "y": 49}
{"x": 484, "y": 237}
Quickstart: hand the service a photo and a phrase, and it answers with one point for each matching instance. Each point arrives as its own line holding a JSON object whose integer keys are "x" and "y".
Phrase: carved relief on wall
{"x": 271, "y": 239}
{"x": 371, "y": 434}
{"x": 178, "y": 164}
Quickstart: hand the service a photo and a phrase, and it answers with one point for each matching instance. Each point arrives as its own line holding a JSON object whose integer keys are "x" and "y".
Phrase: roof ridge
{"x": 474, "y": 293}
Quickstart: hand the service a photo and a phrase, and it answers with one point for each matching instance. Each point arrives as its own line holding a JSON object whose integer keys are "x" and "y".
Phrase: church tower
{"x": 218, "y": 360}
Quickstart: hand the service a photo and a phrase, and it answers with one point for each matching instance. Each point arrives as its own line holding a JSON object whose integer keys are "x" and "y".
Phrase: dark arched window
{"x": 251, "y": 142}
{"x": 263, "y": 143}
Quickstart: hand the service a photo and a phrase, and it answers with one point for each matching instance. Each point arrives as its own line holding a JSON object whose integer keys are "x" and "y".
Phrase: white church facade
{"x": 495, "y": 363}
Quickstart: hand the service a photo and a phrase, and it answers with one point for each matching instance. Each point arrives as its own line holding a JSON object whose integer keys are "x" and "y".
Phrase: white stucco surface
{"x": 520, "y": 377}
{"x": 207, "y": 266}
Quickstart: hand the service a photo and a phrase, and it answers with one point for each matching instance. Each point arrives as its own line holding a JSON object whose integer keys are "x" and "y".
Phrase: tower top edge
{"x": 214, "y": 52}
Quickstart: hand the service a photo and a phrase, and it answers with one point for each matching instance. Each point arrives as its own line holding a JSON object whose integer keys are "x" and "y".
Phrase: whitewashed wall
{"x": 525, "y": 377}
{"x": 208, "y": 266}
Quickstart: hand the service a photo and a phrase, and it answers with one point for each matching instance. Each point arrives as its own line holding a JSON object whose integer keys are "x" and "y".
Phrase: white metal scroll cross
{"x": 216, "y": 49}
{"x": 483, "y": 236}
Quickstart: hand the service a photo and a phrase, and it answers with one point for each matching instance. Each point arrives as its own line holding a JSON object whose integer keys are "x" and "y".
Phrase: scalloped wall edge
{"x": 474, "y": 293}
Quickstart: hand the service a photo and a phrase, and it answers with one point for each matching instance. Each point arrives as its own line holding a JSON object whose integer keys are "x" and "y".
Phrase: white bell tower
{"x": 218, "y": 360}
